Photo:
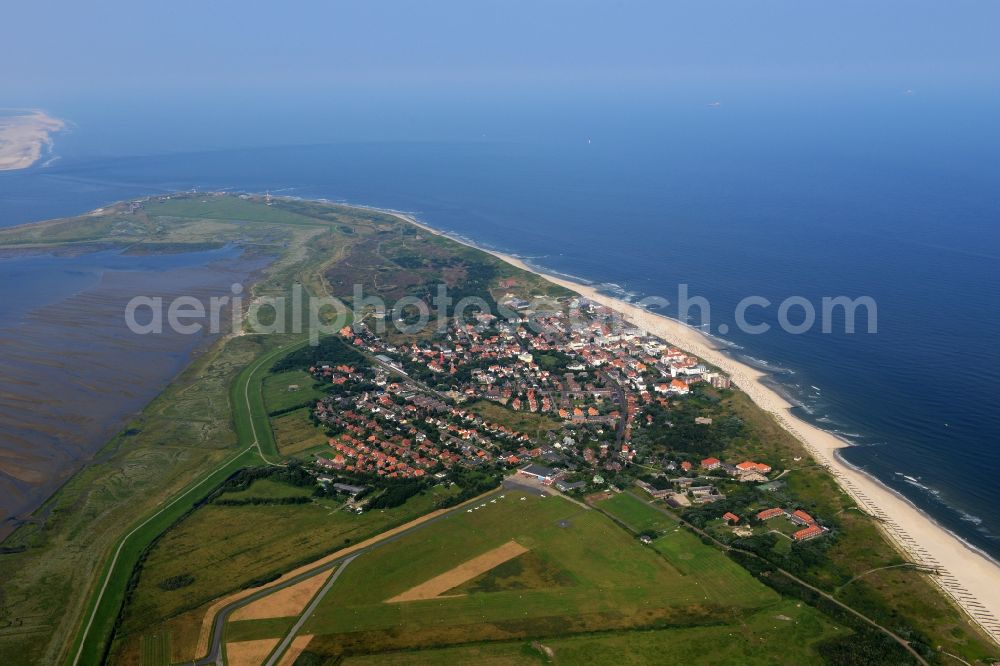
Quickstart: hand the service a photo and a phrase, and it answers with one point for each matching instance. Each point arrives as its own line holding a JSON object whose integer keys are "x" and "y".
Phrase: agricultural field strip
{"x": 464, "y": 572}
{"x": 287, "y": 640}
{"x": 223, "y": 615}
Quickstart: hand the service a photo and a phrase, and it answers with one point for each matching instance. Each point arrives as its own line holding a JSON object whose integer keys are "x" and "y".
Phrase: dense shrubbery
{"x": 288, "y": 410}
{"x": 867, "y": 645}
{"x": 866, "y": 648}
{"x": 736, "y": 501}
{"x": 176, "y": 582}
{"x": 676, "y": 431}
{"x": 263, "y": 500}
{"x": 331, "y": 350}
{"x": 396, "y": 494}
{"x": 472, "y": 482}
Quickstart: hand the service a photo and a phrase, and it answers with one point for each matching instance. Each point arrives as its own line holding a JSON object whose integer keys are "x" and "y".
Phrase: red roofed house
{"x": 686, "y": 466}
{"x": 768, "y": 514}
{"x": 800, "y": 517}
{"x": 730, "y": 517}
{"x": 810, "y": 532}
{"x": 749, "y": 466}
{"x": 711, "y": 463}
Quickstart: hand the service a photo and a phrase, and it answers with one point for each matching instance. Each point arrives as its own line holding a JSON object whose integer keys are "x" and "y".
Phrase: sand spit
{"x": 23, "y": 136}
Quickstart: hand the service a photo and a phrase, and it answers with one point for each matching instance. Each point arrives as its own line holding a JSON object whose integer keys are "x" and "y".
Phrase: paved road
{"x": 536, "y": 487}
{"x": 287, "y": 640}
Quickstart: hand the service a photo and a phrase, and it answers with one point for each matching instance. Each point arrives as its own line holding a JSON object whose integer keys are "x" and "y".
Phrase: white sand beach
{"x": 970, "y": 578}
{"x": 23, "y": 136}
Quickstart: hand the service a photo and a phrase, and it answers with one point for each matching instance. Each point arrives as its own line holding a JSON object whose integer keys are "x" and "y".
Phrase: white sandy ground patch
{"x": 249, "y": 653}
{"x": 23, "y": 136}
{"x": 465, "y": 571}
{"x": 966, "y": 575}
{"x": 283, "y": 603}
{"x": 299, "y": 644}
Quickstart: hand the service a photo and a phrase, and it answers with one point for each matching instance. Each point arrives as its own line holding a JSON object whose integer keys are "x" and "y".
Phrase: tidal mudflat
{"x": 71, "y": 372}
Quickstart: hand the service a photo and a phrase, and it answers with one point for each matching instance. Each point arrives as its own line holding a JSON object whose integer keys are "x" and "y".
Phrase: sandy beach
{"x": 970, "y": 578}
{"x": 23, "y": 136}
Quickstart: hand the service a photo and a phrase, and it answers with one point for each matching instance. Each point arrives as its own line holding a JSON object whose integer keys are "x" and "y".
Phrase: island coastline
{"x": 969, "y": 577}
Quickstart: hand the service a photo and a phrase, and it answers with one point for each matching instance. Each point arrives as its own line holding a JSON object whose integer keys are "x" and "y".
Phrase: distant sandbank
{"x": 966, "y": 575}
{"x": 23, "y": 136}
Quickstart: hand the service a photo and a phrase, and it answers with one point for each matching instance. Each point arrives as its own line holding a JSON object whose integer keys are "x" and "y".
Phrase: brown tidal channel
{"x": 72, "y": 374}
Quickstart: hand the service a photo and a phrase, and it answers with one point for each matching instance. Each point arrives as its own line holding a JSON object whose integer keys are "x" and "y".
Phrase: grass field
{"x": 266, "y": 489}
{"x": 785, "y": 633}
{"x": 295, "y": 433}
{"x": 227, "y": 208}
{"x": 636, "y": 514}
{"x": 252, "y": 630}
{"x": 156, "y": 649}
{"x": 718, "y": 577}
{"x": 215, "y": 548}
{"x": 526, "y": 422}
{"x": 278, "y": 395}
{"x": 583, "y": 573}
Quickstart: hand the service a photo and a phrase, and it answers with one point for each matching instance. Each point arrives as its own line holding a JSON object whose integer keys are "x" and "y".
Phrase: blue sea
{"x": 881, "y": 193}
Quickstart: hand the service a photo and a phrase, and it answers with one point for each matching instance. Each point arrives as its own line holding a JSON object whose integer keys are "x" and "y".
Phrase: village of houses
{"x": 409, "y": 413}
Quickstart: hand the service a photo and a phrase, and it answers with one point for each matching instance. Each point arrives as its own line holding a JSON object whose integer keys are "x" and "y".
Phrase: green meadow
{"x": 583, "y": 573}
{"x": 787, "y": 629}
{"x": 219, "y": 548}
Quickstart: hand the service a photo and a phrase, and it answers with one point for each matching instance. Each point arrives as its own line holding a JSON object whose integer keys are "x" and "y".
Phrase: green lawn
{"x": 156, "y": 649}
{"x": 595, "y": 575}
{"x": 227, "y": 208}
{"x": 268, "y": 489}
{"x": 636, "y": 514}
{"x": 226, "y": 547}
{"x": 295, "y": 434}
{"x": 278, "y": 394}
{"x": 782, "y": 634}
{"x": 719, "y": 579}
{"x": 251, "y": 630}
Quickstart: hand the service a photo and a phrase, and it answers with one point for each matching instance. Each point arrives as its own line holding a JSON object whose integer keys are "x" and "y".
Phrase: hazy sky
{"x": 71, "y": 48}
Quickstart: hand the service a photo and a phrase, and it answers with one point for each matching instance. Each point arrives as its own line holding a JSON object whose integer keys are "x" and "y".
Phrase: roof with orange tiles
{"x": 802, "y": 515}
{"x": 770, "y": 513}
{"x": 808, "y": 532}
